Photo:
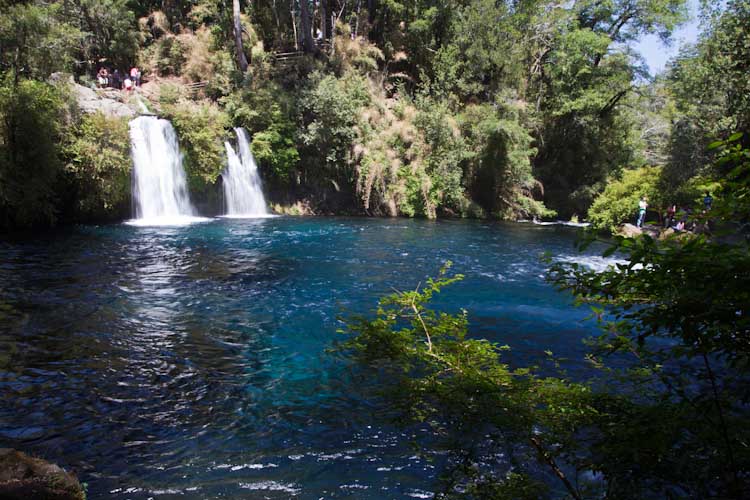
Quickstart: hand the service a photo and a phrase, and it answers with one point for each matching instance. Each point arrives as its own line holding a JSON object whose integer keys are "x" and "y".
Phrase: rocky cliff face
{"x": 111, "y": 102}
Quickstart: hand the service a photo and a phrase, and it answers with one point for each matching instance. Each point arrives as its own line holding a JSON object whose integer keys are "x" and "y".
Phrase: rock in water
{"x": 24, "y": 478}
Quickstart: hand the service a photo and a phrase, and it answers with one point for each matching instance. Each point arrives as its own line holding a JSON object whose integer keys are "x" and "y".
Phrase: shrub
{"x": 330, "y": 108}
{"x": 98, "y": 160}
{"x": 353, "y": 53}
{"x": 444, "y": 151}
{"x": 201, "y": 127}
{"x": 619, "y": 201}
{"x": 169, "y": 56}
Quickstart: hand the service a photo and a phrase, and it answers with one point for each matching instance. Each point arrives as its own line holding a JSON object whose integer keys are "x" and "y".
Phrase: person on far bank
{"x": 669, "y": 219}
{"x": 642, "y": 206}
{"x": 708, "y": 200}
{"x": 135, "y": 76}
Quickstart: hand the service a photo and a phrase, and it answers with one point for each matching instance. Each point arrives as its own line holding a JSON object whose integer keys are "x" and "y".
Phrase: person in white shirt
{"x": 642, "y": 206}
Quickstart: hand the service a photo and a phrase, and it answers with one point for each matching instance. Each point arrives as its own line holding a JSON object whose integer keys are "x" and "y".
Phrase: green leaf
{"x": 734, "y": 137}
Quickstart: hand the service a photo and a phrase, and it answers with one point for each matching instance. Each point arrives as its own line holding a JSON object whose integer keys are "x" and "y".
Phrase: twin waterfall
{"x": 160, "y": 193}
{"x": 242, "y": 189}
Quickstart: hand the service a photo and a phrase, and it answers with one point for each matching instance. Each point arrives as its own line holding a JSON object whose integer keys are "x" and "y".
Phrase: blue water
{"x": 191, "y": 362}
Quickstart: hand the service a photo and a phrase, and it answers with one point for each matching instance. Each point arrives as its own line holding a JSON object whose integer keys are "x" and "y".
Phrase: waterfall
{"x": 160, "y": 194}
{"x": 242, "y": 187}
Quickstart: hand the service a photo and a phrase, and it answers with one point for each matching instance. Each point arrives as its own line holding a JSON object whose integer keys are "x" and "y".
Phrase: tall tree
{"x": 306, "y": 21}
{"x": 241, "y": 58}
{"x": 323, "y": 19}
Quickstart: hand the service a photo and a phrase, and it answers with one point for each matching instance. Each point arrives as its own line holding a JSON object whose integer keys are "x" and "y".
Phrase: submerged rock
{"x": 23, "y": 478}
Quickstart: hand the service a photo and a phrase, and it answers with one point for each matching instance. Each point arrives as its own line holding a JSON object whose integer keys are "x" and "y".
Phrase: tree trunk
{"x": 306, "y": 22}
{"x": 241, "y": 59}
{"x": 294, "y": 26}
{"x": 323, "y": 20}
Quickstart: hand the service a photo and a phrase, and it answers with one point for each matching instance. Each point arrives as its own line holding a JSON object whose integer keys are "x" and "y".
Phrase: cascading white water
{"x": 160, "y": 194}
{"x": 242, "y": 186}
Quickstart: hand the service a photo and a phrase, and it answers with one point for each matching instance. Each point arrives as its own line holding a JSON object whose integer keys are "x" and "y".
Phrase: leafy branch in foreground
{"x": 677, "y": 313}
{"x": 467, "y": 393}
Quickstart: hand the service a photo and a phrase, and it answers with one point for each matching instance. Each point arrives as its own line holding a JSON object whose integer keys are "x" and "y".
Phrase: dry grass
{"x": 199, "y": 64}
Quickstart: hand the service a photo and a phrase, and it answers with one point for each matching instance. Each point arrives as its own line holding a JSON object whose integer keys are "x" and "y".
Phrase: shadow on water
{"x": 191, "y": 361}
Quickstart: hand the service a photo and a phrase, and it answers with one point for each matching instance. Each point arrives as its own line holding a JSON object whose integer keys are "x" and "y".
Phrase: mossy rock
{"x": 23, "y": 477}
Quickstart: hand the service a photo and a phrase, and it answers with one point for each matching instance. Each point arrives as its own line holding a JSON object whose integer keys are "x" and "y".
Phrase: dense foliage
{"x": 98, "y": 161}
{"x": 481, "y": 108}
{"x": 30, "y": 167}
{"x": 620, "y": 198}
{"x": 473, "y": 108}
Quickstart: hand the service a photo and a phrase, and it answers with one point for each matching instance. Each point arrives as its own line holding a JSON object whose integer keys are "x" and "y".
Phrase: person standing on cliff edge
{"x": 135, "y": 76}
{"x": 642, "y": 206}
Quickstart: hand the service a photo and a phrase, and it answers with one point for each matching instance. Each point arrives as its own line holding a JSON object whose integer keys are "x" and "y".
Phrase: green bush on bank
{"x": 619, "y": 201}
{"x": 498, "y": 169}
{"x": 31, "y": 115}
{"x": 330, "y": 109}
{"x": 201, "y": 127}
{"x": 98, "y": 160}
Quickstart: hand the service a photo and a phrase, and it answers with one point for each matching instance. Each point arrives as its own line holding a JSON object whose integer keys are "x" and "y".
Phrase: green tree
{"x": 498, "y": 170}
{"x": 586, "y": 78}
{"x": 618, "y": 203}
{"x": 329, "y": 111}
{"x": 709, "y": 81}
{"x": 98, "y": 160}
{"x": 35, "y": 41}
{"x": 110, "y": 31}
{"x": 32, "y": 115}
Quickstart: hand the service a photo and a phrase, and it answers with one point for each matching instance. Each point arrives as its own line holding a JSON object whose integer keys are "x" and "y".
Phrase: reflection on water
{"x": 190, "y": 361}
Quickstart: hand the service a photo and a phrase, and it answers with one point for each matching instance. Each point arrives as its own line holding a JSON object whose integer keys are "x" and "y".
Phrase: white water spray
{"x": 160, "y": 194}
{"x": 242, "y": 186}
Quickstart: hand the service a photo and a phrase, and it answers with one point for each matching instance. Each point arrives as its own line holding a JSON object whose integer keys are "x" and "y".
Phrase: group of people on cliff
{"x": 117, "y": 80}
{"x": 674, "y": 219}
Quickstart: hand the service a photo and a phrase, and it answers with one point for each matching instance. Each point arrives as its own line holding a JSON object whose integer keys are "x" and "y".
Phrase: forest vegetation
{"x": 473, "y": 108}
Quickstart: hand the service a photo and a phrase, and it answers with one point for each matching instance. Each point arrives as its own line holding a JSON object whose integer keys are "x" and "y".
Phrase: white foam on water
{"x": 178, "y": 220}
{"x": 248, "y": 216}
{"x": 594, "y": 262}
{"x": 271, "y": 486}
{"x": 556, "y": 223}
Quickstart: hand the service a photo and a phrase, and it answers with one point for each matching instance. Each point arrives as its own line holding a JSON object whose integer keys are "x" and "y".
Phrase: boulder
{"x": 23, "y": 477}
{"x": 108, "y": 101}
{"x": 90, "y": 101}
{"x": 667, "y": 233}
{"x": 629, "y": 231}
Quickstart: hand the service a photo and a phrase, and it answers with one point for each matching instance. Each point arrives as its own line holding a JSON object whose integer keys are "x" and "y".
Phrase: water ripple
{"x": 190, "y": 362}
